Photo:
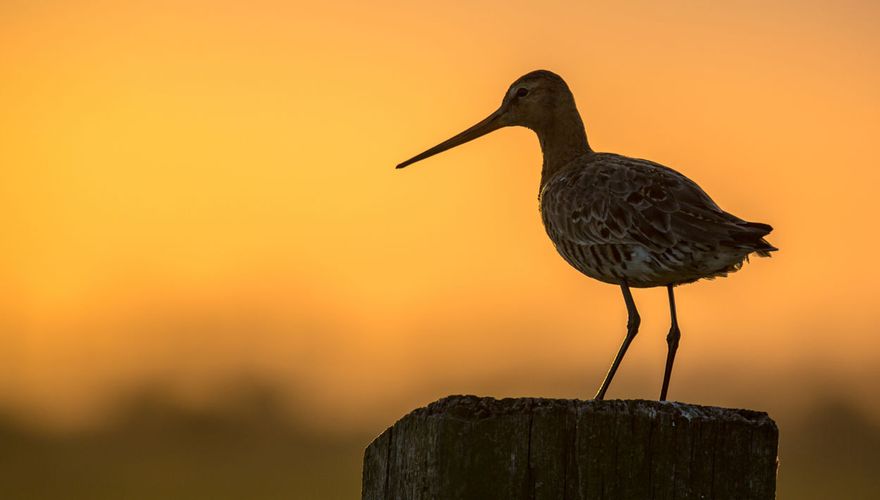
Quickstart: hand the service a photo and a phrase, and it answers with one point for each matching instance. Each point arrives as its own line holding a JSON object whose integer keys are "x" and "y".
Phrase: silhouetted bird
{"x": 620, "y": 220}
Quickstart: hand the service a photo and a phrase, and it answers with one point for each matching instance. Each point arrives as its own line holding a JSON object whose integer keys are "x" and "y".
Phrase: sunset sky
{"x": 195, "y": 193}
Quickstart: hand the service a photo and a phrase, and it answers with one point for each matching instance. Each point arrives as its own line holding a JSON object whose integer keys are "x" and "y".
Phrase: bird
{"x": 624, "y": 221}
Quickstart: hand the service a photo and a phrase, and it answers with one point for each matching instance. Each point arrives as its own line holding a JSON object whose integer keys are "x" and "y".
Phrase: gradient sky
{"x": 194, "y": 192}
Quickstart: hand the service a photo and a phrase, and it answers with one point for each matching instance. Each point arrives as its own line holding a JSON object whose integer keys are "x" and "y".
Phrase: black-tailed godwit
{"x": 623, "y": 221}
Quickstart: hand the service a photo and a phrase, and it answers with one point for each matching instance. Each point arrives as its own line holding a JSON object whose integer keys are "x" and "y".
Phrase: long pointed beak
{"x": 492, "y": 122}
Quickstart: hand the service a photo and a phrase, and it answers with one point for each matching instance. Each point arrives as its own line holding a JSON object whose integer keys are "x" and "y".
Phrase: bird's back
{"x": 627, "y": 220}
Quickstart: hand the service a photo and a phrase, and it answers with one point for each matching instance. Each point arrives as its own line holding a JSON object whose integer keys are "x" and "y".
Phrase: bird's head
{"x": 534, "y": 101}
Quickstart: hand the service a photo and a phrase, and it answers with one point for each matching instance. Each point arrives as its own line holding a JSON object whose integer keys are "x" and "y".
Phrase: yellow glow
{"x": 194, "y": 190}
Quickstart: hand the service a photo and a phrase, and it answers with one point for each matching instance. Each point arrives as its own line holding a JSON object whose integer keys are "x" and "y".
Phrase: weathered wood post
{"x": 466, "y": 447}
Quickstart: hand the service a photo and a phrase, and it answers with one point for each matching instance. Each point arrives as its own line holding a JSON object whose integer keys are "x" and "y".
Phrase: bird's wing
{"x": 621, "y": 200}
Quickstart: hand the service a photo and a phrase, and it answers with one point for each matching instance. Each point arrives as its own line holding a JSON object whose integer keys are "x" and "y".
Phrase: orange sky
{"x": 197, "y": 190}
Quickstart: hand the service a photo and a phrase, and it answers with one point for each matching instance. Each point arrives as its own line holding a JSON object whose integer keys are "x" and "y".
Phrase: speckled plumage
{"x": 630, "y": 221}
{"x": 620, "y": 220}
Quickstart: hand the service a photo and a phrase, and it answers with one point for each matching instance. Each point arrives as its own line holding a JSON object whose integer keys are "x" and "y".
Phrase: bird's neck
{"x": 562, "y": 140}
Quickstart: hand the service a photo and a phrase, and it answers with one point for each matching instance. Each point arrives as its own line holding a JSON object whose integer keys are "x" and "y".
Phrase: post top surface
{"x": 471, "y": 407}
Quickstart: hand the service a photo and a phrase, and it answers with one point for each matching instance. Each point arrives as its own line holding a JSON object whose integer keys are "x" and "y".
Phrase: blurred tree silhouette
{"x": 250, "y": 446}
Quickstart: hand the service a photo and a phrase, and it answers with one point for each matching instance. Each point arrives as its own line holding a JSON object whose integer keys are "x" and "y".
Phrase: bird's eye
{"x": 521, "y": 92}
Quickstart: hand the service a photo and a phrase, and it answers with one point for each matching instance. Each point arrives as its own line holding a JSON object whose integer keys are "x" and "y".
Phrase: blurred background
{"x": 213, "y": 283}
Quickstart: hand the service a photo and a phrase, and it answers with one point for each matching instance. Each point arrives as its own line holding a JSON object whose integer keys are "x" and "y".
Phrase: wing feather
{"x": 616, "y": 199}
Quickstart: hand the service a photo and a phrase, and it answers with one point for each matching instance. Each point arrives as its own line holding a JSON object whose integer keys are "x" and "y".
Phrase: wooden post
{"x": 466, "y": 447}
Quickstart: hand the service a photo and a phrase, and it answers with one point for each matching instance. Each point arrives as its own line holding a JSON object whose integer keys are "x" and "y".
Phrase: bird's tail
{"x": 754, "y": 238}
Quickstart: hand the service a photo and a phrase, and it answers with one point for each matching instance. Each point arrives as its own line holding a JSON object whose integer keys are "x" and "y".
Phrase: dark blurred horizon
{"x": 251, "y": 445}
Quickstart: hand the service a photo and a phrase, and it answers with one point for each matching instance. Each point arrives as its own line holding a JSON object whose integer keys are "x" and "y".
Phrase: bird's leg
{"x": 672, "y": 342}
{"x": 632, "y": 328}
